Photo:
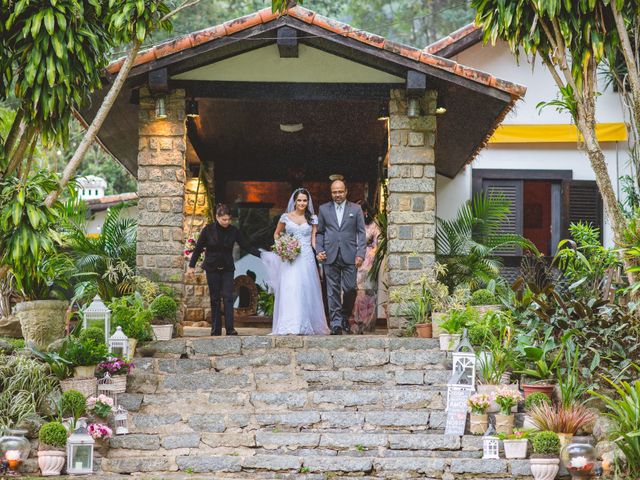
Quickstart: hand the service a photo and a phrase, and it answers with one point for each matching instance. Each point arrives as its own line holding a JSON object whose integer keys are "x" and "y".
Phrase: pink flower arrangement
{"x": 101, "y": 406}
{"x": 479, "y": 403}
{"x": 98, "y": 431}
{"x": 114, "y": 367}
{"x": 507, "y": 398}
{"x": 287, "y": 247}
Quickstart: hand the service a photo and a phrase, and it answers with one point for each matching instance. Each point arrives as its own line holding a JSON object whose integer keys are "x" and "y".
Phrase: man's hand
{"x": 359, "y": 261}
{"x": 321, "y": 256}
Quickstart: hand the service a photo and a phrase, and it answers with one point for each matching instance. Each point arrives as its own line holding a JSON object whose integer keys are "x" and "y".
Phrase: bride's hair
{"x": 307, "y": 212}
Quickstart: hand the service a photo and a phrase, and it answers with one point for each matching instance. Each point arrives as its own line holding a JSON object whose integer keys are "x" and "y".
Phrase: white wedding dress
{"x": 298, "y": 308}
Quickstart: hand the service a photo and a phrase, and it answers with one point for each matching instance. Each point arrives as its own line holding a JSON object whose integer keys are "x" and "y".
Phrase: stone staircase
{"x": 294, "y": 407}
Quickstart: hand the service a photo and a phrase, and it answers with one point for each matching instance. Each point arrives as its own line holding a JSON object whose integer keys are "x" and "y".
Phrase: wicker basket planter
{"x": 119, "y": 383}
{"x": 86, "y": 386}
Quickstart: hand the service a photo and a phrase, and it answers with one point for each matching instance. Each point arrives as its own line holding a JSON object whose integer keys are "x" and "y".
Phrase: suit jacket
{"x": 349, "y": 238}
{"x": 218, "y": 245}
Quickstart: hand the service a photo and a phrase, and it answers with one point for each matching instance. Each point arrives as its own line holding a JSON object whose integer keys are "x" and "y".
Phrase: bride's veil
{"x": 291, "y": 206}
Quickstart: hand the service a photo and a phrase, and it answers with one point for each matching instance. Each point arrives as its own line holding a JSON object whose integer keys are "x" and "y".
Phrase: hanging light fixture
{"x": 192, "y": 108}
{"x": 161, "y": 109}
{"x": 413, "y": 107}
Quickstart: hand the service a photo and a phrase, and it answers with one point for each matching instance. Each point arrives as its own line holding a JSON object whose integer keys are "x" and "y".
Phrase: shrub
{"x": 73, "y": 403}
{"x": 93, "y": 333}
{"x": 546, "y": 443}
{"x": 459, "y": 319}
{"x": 53, "y": 434}
{"x": 537, "y": 398}
{"x": 164, "y": 308}
{"x": 83, "y": 352}
{"x": 132, "y": 316}
{"x": 483, "y": 297}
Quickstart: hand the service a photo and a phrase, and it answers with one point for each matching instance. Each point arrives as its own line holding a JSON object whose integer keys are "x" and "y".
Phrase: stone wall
{"x": 412, "y": 200}
{"x": 161, "y": 179}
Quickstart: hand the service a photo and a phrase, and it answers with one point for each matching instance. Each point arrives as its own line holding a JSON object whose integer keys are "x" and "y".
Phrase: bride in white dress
{"x": 298, "y": 308}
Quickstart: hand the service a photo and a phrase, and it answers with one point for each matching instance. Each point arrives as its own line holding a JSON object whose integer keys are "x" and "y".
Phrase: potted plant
{"x": 51, "y": 450}
{"x": 131, "y": 314}
{"x": 506, "y": 398}
{"x": 100, "y": 406}
{"x": 536, "y": 398}
{"x": 484, "y": 301}
{"x": 73, "y": 405}
{"x": 453, "y": 325}
{"x": 494, "y": 365}
{"x": 417, "y": 313}
{"x": 479, "y": 419}
{"x": 164, "y": 310}
{"x": 515, "y": 444}
{"x": 545, "y": 461}
{"x": 30, "y": 246}
{"x": 565, "y": 421}
{"x": 542, "y": 363}
{"x": 118, "y": 370}
{"x": 84, "y": 355}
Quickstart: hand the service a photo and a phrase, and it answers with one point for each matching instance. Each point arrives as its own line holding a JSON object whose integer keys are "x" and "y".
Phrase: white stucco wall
{"x": 498, "y": 60}
{"x": 95, "y": 222}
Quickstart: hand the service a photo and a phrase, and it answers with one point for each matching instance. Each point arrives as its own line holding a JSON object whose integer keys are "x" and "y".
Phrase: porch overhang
{"x": 475, "y": 102}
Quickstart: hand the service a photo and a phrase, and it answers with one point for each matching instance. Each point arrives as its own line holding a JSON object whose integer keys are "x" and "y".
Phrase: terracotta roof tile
{"x": 425, "y": 56}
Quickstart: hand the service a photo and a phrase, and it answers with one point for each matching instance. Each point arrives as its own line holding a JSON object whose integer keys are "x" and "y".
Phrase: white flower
{"x": 579, "y": 462}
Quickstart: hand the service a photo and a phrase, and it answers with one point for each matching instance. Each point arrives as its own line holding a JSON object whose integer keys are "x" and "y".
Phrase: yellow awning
{"x": 556, "y": 133}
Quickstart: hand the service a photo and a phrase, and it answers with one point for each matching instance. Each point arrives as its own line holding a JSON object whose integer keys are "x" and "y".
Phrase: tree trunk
{"x": 96, "y": 124}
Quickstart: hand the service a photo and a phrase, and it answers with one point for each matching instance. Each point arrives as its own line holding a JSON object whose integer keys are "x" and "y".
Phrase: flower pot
{"x": 424, "y": 330}
{"x": 490, "y": 389}
{"x": 515, "y": 448}
{"x": 449, "y": 341}
{"x": 132, "y": 347}
{"x": 504, "y": 423}
{"x": 565, "y": 439}
{"x": 544, "y": 468}
{"x": 478, "y": 423}
{"x": 84, "y": 371}
{"x": 119, "y": 383}
{"x": 87, "y": 386}
{"x": 51, "y": 462}
{"x": 42, "y": 321}
{"x": 436, "y": 320}
{"x": 165, "y": 332}
{"x": 545, "y": 388}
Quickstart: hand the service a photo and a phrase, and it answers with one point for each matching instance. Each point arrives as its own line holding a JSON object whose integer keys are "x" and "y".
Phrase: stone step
{"x": 375, "y": 467}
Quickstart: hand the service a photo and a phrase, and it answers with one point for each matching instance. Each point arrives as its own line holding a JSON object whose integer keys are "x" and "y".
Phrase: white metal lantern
{"x": 122, "y": 421}
{"x": 108, "y": 388}
{"x": 490, "y": 444}
{"x": 80, "y": 452}
{"x": 119, "y": 344}
{"x": 463, "y": 375}
{"x": 98, "y": 313}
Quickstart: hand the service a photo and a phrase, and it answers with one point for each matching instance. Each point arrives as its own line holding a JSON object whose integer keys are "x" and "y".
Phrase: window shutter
{"x": 512, "y": 191}
{"x": 582, "y": 203}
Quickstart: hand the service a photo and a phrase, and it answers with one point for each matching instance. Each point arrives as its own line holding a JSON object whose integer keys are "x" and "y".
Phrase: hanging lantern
{"x": 490, "y": 444}
{"x": 107, "y": 387}
{"x": 98, "y": 314}
{"x": 80, "y": 452}
{"x": 463, "y": 376}
{"x": 119, "y": 344}
{"x": 122, "y": 421}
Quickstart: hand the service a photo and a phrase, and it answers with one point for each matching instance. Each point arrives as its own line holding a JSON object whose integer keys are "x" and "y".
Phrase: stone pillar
{"x": 412, "y": 200}
{"x": 196, "y": 299}
{"x": 161, "y": 179}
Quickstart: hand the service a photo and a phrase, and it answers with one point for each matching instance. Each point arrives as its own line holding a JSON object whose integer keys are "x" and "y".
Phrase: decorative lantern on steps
{"x": 80, "y": 452}
{"x": 121, "y": 417}
{"x": 490, "y": 444}
{"x": 463, "y": 376}
{"x": 99, "y": 314}
{"x": 119, "y": 344}
{"x": 107, "y": 387}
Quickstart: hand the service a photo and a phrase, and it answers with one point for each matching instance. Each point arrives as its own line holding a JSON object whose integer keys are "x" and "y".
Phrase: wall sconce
{"x": 413, "y": 107}
{"x": 192, "y": 108}
{"x": 291, "y": 127}
{"x": 161, "y": 109}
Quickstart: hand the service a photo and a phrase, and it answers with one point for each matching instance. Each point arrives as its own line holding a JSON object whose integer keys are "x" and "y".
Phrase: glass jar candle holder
{"x": 14, "y": 449}
{"x": 580, "y": 460}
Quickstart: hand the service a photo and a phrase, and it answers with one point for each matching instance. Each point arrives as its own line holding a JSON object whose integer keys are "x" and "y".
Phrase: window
{"x": 543, "y": 204}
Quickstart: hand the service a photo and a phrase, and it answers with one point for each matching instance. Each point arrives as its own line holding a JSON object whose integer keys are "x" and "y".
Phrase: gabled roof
{"x": 426, "y": 56}
{"x": 456, "y": 42}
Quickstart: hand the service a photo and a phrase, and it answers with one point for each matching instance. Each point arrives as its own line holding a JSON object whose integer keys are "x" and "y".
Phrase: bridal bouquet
{"x": 287, "y": 247}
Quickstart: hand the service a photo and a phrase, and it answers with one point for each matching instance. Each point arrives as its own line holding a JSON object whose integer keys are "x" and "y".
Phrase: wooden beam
{"x": 286, "y": 91}
{"x": 158, "y": 81}
{"x": 288, "y": 42}
{"x": 416, "y": 83}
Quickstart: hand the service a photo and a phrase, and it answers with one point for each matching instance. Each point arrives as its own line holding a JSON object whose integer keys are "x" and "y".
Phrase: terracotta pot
{"x": 478, "y": 423}
{"x": 544, "y": 468}
{"x": 515, "y": 448}
{"x": 449, "y": 341}
{"x": 545, "y": 388}
{"x": 504, "y": 423}
{"x": 424, "y": 330}
{"x": 51, "y": 462}
{"x": 84, "y": 371}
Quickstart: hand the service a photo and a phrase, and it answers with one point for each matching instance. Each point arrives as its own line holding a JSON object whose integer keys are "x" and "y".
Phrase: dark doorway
{"x": 536, "y": 219}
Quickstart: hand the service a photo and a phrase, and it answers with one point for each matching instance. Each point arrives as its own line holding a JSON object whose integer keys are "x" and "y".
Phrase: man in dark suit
{"x": 340, "y": 243}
